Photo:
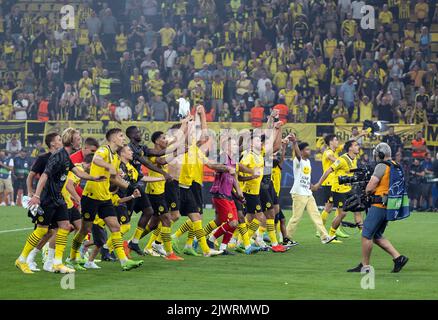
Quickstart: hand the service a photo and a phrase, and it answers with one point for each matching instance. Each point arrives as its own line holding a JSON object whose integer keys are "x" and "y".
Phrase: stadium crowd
{"x": 133, "y": 59}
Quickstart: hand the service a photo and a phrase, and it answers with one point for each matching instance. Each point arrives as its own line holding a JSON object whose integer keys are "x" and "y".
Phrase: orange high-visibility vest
{"x": 257, "y": 116}
{"x": 43, "y": 111}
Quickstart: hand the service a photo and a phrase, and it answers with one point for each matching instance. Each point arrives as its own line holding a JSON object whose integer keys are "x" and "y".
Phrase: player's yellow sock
{"x": 191, "y": 236}
{"x": 186, "y": 226}
{"x": 61, "y": 242}
{"x": 146, "y": 231}
{"x": 32, "y": 242}
{"x": 165, "y": 235}
{"x": 200, "y": 235}
{"x": 243, "y": 231}
{"x": 124, "y": 228}
{"x": 278, "y": 227}
{"x": 154, "y": 236}
{"x": 137, "y": 235}
{"x": 337, "y": 212}
{"x": 109, "y": 243}
{"x": 270, "y": 225}
{"x": 210, "y": 227}
{"x": 76, "y": 244}
{"x": 253, "y": 226}
{"x": 332, "y": 232}
{"x": 118, "y": 246}
{"x": 324, "y": 216}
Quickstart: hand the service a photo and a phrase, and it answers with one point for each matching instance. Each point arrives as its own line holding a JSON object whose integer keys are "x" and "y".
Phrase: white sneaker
{"x": 3, "y": 204}
{"x": 159, "y": 248}
{"x": 48, "y": 266}
{"x": 328, "y": 240}
{"x": 12, "y": 204}
{"x": 260, "y": 243}
{"x": 33, "y": 266}
{"x": 91, "y": 265}
{"x": 213, "y": 252}
{"x": 150, "y": 252}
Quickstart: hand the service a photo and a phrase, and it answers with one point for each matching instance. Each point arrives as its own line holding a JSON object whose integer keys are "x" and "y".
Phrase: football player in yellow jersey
{"x": 96, "y": 198}
{"x": 190, "y": 183}
{"x": 341, "y": 167}
{"x": 141, "y": 152}
{"x": 124, "y": 209}
{"x": 157, "y": 196}
{"x": 258, "y": 194}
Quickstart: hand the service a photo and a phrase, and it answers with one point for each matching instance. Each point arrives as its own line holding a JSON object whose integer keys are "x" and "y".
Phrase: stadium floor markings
{"x": 15, "y": 230}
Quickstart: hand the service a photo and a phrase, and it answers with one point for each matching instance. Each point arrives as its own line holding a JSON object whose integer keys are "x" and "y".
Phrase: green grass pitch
{"x": 308, "y": 271}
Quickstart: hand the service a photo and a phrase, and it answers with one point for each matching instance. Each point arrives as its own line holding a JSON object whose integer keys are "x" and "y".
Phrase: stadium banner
{"x": 432, "y": 135}
{"x": 405, "y": 131}
{"x": 12, "y": 129}
{"x": 97, "y": 129}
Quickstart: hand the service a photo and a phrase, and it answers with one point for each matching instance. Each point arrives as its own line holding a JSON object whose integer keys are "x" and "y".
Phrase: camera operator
{"x": 376, "y": 219}
{"x": 342, "y": 167}
{"x": 416, "y": 182}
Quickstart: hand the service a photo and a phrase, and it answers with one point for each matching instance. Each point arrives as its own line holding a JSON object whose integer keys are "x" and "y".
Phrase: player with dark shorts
{"x": 48, "y": 195}
{"x": 96, "y": 198}
{"x": 142, "y": 204}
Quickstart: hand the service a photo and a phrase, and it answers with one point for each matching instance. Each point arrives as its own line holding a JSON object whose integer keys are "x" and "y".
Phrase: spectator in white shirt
{"x": 261, "y": 84}
{"x": 356, "y": 7}
{"x": 123, "y": 112}
{"x": 169, "y": 57}
{"x": 13, "y": 146}
{"x": 20, "y": 107}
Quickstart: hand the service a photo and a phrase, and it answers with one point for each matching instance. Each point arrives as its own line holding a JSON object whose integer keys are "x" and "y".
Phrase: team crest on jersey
{"x": 268, "y": 205}
{"x": 306, "y": 170}
{"x": 341, "y": 204}
{"x": 87, "y": 215}
{"x": 230, "y": 215}
{"x": 161, "y": 208}
{"x": 173, "y": 205}
{"x": 123, "y": 218}
{"x": 258, "y": 207}
{"x": 40, "y": 219}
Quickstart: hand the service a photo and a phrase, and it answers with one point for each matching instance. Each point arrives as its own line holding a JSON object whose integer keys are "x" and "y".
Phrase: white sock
{"x": 233, "y": 240}
{"x": 212, "y": 238}
{"x": 50, "y": 255}
{"x": 105, "y": 246}
{"x": 32, "y": 255}
{"x": 123, "y": 261}
{"x": 57, "y": 261}
{"x": 133, "y": 240}
{"x": 222, "y": 247}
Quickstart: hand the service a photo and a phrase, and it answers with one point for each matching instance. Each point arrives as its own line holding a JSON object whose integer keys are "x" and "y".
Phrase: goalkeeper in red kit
{"x": 222, "y": 198}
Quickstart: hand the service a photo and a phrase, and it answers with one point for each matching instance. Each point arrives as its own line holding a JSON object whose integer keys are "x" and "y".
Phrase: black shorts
{"x": 172, "y": 195}
{"x": 141, "y": 203}
{"x": 276, "y": 197}
{"x": 253, "y": 204}
{"x": 123, "y": 214}
{"x": 279, "y": 216}
{"x": 339, "y": 199}
{"x": 99, "y": 235}
{"x": 20, "y": 184}
{"x": 188, "y": 203}
{"x": 197, "y": 193}
{"x": 158, "y": 202}
{"x": 53, "y": 212}
{"x": 327, "y": 194}
{"x": 91, "y": 207}
{"x": 74, "y": 214}
{"x": 267, "y": 195}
